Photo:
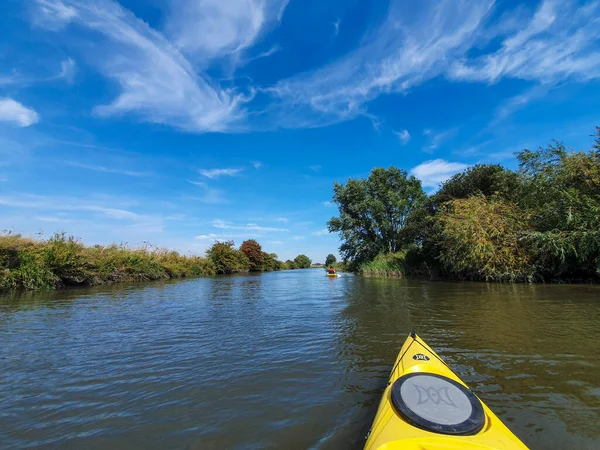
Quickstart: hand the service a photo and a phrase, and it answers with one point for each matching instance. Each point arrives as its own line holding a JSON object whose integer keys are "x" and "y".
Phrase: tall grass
{"x": 28, "y": 264}
{"x": 391, "y": 265}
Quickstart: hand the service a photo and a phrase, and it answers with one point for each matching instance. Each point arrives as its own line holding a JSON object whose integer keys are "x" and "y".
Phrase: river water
{"x": 290, "y": 360}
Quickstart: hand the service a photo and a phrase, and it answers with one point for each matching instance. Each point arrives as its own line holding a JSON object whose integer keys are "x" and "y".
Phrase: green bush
{"x": 27, "y": 264}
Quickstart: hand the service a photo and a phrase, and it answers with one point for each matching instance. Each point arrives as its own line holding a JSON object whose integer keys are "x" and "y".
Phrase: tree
{"x": 373, "y": 213}
{"x": 270, "y": 262}
{"x": 482, "y": 240}
{"x": 254, "y": 253}
{"x": 486, "y": 179}
{"x": 330, "y": 259}
{"x": 227, "y": 259}
{"x": 302, "y": 262}
{"x": 563, "y": 198}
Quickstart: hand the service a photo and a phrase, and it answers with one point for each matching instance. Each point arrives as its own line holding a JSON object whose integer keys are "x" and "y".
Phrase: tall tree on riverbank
{"x": 302, "y": 262}
{"x": 227, "y": 259}
{"x": 330, "y": 259}
{"x": 254, "y": 253}
{"x": 373, "y": 213}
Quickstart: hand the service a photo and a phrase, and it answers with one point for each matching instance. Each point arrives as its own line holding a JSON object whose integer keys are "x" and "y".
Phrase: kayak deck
{"x": 426, "y": 406}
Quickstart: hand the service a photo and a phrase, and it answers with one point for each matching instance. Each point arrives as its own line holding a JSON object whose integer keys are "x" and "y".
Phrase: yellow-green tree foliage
{"x": 481, "y": 239}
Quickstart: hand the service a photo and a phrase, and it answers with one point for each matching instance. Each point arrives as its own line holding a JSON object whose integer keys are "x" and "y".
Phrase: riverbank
{"x": 538, "y": 223}
{"x": 28, "y": 264}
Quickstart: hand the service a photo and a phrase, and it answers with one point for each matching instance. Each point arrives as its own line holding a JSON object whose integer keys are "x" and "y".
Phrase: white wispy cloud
{"x": 328, "y": 204}
{"x": 158, "y": 84}
{"x": 275, "y": 242}
{"x": 68, "y": 69}
{"x": 216, "y": 28}
{"x": 98, "y": 168}
{"x": 336, "y": 26}
{"x": 14, "y": 112}
{"x": 210, "y": 195}
{"x": 316, "y": 168}
{"x": 412, "y": 46}
{"x": 53, "y": 14}
{"x": 547, "y": 48}
{"x": 298, "y": 238}
{"x": 435, "y": 140}
{"x": 217, "y": 223}
{"x": 224, "y": 237}
{"x": 282, "y": 8}
{"x": 281, "y": 219}
{"x": 432, "y": 173}
{"x": 52, "y": 219}
{"x": 216, "y": 173}
{"x": 49, "y": 203}
{"x": 322, "y": 232}
{"x": 257, "y": 164}
{"x": 403, "y": 135}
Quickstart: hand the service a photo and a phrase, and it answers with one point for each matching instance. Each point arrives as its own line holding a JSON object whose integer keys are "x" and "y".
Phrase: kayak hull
{"x": 332, "y": 275}
{"x": 392, "y": 429}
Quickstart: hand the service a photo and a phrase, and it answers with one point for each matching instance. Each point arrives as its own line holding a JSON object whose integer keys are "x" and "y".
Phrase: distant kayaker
{"x": 331, "y": 269}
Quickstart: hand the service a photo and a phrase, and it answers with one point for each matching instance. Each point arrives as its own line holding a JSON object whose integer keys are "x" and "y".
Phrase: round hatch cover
{"x": 437, "y": 404}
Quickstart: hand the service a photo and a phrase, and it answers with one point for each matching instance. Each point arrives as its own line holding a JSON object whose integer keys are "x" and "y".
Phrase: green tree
{"x": 482, "y": 240}
{"x": 563, "y": 198}
{"x": 302, "y": 262}
{"x": 289, "y": 265}
{"x": 226, "y": 259}
{"x": 487, "y": 179}
{"x": 254, "y": 253}
{"x": 270, "y": 262}
{"x": 330, "y": 259}
{"x": 373, "y": 213}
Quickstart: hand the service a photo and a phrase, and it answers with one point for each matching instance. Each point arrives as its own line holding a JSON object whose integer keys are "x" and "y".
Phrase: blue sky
{"x": 183, "y": 121}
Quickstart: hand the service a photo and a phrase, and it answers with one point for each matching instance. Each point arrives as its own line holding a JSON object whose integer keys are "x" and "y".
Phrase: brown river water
{"x": 290, "y": 360}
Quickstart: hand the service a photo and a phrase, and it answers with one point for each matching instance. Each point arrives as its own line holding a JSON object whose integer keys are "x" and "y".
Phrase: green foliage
{"x": 302, "y": 262}
{"x": 226, "y": 259}
{"x": 288, "y": 265}
{"x": 26, "y": 264}
{"x": 487, "y": 179}
{"x": 388, "y": 265}
{"x": 480, "y": 239}
{"x": 373, "y": 213}
{"x": 270, "y": 262}
{"x": 540, "y": 222}
{"x": 330, "y": 260}
{"x": 254, "y": 253}
{"x": 564, "y": 201}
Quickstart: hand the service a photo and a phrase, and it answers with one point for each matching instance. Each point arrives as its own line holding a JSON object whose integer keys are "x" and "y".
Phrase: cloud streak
{"x": 217, "y": 223}
{"x": 104, "y": 169}
{"x": 157, "y": 83}
{"x": 410, "y": 47}
{"x": 14, "y": 112}
{"x": 217, "y": 173}
{"x": 403, "y": 135}
{"x": 546, "y": 49}
{"x": 212, "y": 29}
{"x": 432, "y": 173}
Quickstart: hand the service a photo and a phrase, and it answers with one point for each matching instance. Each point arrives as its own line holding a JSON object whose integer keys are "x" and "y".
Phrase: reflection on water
{"x": 286, "y": 360}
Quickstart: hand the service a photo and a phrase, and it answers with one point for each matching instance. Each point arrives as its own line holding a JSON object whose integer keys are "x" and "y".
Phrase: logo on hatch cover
{"x": 421, "y": 357}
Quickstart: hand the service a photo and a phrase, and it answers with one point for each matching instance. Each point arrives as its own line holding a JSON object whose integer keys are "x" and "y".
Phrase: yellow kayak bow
{"x": 425, "y": 406}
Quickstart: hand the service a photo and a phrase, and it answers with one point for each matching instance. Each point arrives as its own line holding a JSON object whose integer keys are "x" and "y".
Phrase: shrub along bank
{"x": 28, "y": 264}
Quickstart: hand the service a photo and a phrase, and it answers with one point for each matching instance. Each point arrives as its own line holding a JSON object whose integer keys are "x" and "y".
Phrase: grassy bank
{"x": 27, "y": 264}
{"x": 390, "y": 265}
